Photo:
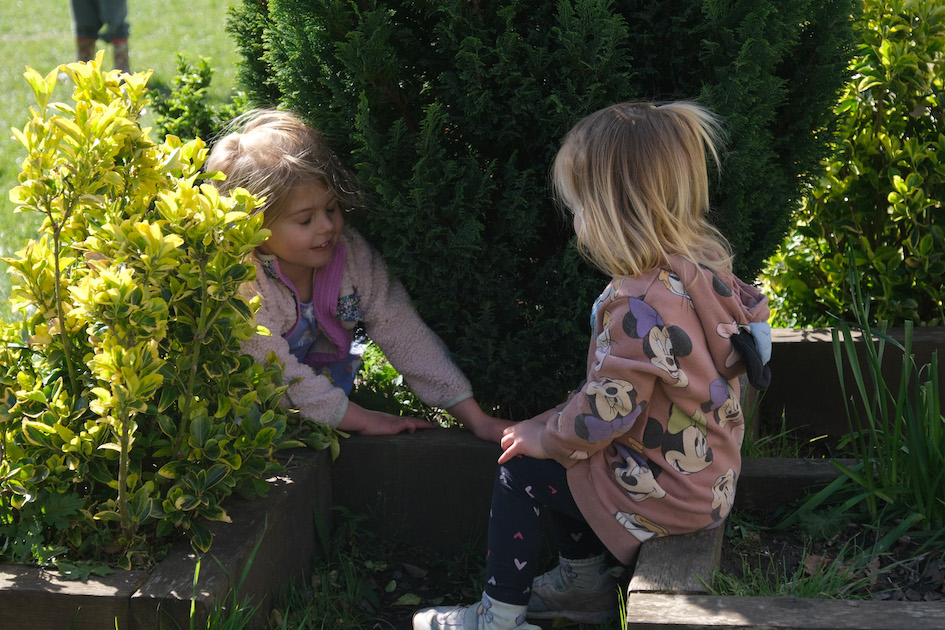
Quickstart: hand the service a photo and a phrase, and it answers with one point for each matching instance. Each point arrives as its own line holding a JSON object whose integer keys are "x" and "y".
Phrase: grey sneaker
{"x": 555, "y": 595}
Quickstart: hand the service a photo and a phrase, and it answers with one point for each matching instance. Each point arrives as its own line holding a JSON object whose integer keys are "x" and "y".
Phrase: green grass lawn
{"x": 38, "y": 34}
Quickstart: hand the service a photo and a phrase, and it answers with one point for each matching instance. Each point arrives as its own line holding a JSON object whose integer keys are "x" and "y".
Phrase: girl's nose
{"x": 323, "y": 222}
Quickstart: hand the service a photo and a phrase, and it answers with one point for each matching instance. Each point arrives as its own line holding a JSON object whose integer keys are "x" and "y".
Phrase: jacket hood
{"x": 734, "y": 317}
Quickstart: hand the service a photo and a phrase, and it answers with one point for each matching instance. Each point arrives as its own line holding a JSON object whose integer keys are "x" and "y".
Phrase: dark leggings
{"x": 523, "y": 487}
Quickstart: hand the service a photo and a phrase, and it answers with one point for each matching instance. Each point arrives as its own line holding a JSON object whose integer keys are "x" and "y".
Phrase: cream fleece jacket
{"x": 367, "y": 295}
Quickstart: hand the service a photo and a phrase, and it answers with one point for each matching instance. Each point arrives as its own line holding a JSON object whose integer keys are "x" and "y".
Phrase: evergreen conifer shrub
{"x": 451, "y": 111}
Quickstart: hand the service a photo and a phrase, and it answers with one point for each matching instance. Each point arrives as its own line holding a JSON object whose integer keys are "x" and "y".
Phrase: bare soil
{"x": 405, "y": 578}
{"x": 434, "y": 582}
{"x": 909, "y": 571}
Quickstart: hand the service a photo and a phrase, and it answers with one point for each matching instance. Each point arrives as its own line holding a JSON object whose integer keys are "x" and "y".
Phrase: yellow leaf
{"x": 222, "y": 517}
{"x": 68, "y": 127}
{"x": 50, "y": 81}
{"x": 40, "y": 339}
{"x": 21, "y": 138}
{"x": 408, "y": 599}
{"x": 65, "y": 433}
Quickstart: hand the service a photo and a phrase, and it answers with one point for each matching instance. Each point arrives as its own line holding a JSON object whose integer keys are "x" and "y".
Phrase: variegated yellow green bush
{"x": 128, "y": 413}
{"x": 881, "y": 191}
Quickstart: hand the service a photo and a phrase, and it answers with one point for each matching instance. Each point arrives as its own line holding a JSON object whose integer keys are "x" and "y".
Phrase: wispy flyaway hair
{"x": 636, "y": 176}
{"x": 271, "y": 152}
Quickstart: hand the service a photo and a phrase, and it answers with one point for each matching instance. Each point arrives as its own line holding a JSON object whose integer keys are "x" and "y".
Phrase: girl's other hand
{"x": 523, "y": 438}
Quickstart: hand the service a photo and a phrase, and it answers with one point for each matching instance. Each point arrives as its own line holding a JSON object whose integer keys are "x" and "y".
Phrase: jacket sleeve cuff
{"x": 458, "y": 399}
{"x": 565, "y": 454}
{"x": 341, "y": 414}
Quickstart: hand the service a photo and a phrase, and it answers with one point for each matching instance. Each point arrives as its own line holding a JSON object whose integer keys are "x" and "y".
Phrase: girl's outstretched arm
{"x": 482, "y": 425}
{"x": 391, "y": 322}
{"x": 357, "y": 419}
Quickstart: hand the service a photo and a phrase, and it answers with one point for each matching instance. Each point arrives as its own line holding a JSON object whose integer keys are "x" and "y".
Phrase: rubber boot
{"x": 120, "y": 55}
{"x": 85, "y": 48}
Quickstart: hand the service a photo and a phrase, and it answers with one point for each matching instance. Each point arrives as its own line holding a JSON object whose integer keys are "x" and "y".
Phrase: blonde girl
{"x": 648, "y": 445}
{"x": 318, "y": 279}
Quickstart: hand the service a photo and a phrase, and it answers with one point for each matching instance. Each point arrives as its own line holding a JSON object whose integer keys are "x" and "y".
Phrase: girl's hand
{"x": 523, "y": 438}
{"x": 357, "y": 419}
{"x": 473, "y": 418}
{"x": 387, "y": 424}
{"x": 490, "y": 429}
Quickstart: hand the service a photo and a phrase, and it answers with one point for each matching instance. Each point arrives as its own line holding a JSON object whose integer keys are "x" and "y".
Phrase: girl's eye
{"x": 305, "y": 221}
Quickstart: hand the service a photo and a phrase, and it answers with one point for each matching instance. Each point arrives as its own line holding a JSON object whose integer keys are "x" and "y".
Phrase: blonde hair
{"x": 636, "y": 176}
{"x": 271, "y": 152}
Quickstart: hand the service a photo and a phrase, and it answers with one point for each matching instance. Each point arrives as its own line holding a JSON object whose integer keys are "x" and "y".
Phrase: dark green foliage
{"x": 451, "y": 112}
{"x": 183, "y": 109}
{"x": 380, "y": 387}
{"x": 248, "y": 25}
